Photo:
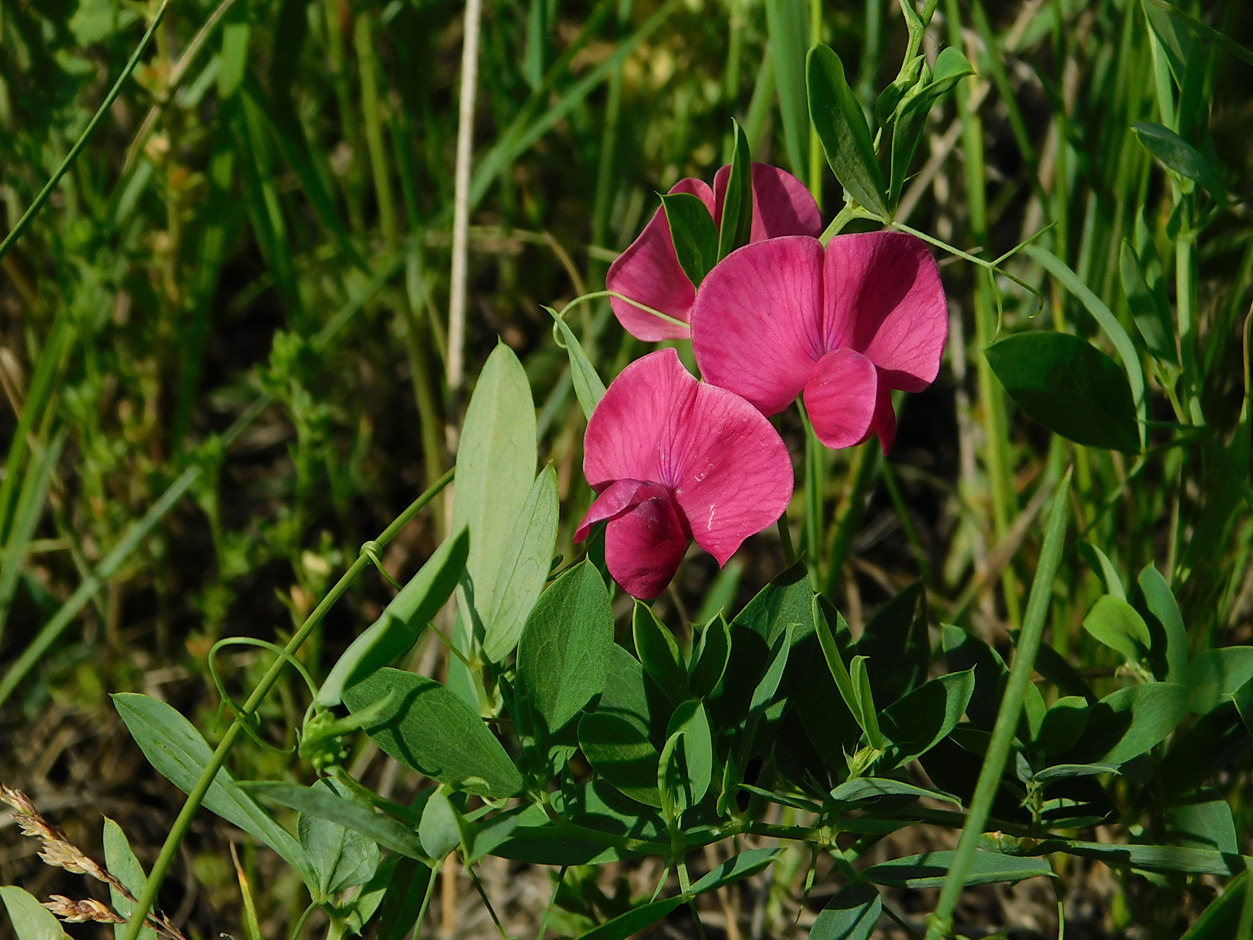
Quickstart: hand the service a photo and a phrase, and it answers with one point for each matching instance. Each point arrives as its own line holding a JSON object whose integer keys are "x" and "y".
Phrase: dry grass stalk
{"x": 58, "y": 851}
{"x": 81, "y": 912}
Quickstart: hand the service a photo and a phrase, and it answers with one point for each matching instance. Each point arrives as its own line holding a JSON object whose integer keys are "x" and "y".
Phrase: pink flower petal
{"x": 884, "y": 423}
{"x": 649, "y": 271}
{"x": 613, "y": 501}
{"x": 731, "y": 472}
{"x": 782, "y": 204}
{"x": 885, "y": 300}
{"x": 841, "y": 397}
{"x": 626, "y": 435}
{"x": 755, "y": 323}
{"x": 643, "y": 546}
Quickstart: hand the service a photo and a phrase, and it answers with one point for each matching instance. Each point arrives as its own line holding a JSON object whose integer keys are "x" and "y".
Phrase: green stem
{"x": 175, "y": 839}
{"x": 1028, "y": 646}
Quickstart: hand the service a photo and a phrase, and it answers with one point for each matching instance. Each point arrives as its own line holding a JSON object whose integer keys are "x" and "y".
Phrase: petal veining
{"x": 841, "y": 397}
{"x": 782, "y": 204}
{"x": 885, "y": 300}
{"x": 732, "y": 473}
{"x": 755, "y": 323}
{"x": 629, "y": 433}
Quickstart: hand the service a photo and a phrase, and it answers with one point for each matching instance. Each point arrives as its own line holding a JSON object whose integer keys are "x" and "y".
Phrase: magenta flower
{"x": 674, "y": 459}
{"x": 649, "y": 270}
{"x": 845, "y": 326}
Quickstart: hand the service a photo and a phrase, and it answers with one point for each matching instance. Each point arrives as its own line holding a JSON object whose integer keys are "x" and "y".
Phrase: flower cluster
{"x": 840, "y": 326}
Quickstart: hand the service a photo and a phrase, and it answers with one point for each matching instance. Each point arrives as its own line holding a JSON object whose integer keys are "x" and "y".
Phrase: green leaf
{"x": 929, "y": 869}
{"x": 30, "y": 919}
{"x": 588, "y": 387}
{"x": 402, "y": 622}
{"x": 1115, "y": 623}
{"x": 910, "y": 116}
{"x": 1165, "y": 625}
{"x": 1070, "y": 387}
{"x": 1067, "y": 771}
{"x": 1109, "y": 574}
{"x": 896, "y": 644}
{"x": 617, "y": 737}
{"x": 1214, "y": 675}
{"x": 1150, "y": 308}
{"x": 741, "y": 866}
{"x": 965, "y": 650}
{"x": 787, "y": 22}
{"x": 1063, "y": 725}
{"x": 659, "y": 653}
{"x": 924, "y": 717}
{"x": 710, "y": 656}
{"x": 440, "y": 830}
{"x": 870, "y": 788}
{"x": 429, "y": 728}
{"x": 528, "y": 560}
{"x": 1105, "y": 318}
{"x": 495, "y": 475}
{"x": 322, "y": 803}
{"x": 1181, "y": 157}
{"x": 402, "y": 901}
{"x": 850, "y": 915}
{"x": 177, "y": 751}
{"x": 1203, "y": 820}
{"x": 341, "y": 857}
{"x": 737, "y": 205}
{"x": 120, "y": 861}
{"x": 834, "y": 657}
{"x": 1132, "y": 721}
{"x": 764, "y": 692}
{"x": 865, "y": 703}
{"x": 233, "y": 59}
{"x": 1168, "y": 859}
{"x": 672, "y": 779}
{"x": 566, "y": 647}
{"x": 694, "y": 234}
{"x": 690, "y": 721}
{"x": 841, "y": 126}
{"x": 633, "y": 921}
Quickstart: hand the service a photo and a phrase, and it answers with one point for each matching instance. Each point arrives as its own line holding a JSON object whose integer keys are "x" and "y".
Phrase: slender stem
{"x": 1028, "y": 646}
{"x": 461, "y": 199}
{"x": 174, "y": 840}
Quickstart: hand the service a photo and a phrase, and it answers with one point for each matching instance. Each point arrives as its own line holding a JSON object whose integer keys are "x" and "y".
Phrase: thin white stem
{"x": 461, "y": 198}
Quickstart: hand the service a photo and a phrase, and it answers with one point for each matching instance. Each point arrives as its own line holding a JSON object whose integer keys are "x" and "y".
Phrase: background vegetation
{"x": 226, "y": 356}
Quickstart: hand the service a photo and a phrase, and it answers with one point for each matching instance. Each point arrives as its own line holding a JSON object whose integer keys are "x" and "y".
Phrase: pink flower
{"x": 675, "y": 459}
{"x": 845, "y": 326}
{"x": 649, "y": 270}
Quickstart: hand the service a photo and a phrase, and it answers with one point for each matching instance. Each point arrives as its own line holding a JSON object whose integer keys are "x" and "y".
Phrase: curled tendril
{"x": 250, "y": 723}
{"x": 370, "y": 550}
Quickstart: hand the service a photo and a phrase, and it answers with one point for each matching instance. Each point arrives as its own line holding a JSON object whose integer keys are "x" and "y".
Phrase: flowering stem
{"x": 172, "y": 842}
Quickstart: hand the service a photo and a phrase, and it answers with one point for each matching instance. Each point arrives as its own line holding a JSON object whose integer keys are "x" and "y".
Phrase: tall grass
{"x": 225, "y": 340}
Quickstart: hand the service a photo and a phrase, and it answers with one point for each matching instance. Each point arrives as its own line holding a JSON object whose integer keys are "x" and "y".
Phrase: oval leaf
{"x": 929, "y": 869}
{"x": 566, "y": 647}
{"x": 1070, "y": 387}
{"x": 841, "y": 126}
{"x": 429, "y": 728}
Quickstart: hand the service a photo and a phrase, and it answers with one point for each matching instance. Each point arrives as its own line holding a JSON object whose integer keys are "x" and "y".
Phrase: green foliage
{"x": 1070, "y": 387}
{"x": 840, "y": 124}
{"x": 232, "y": 286}
{"x": 429, "y": 728}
